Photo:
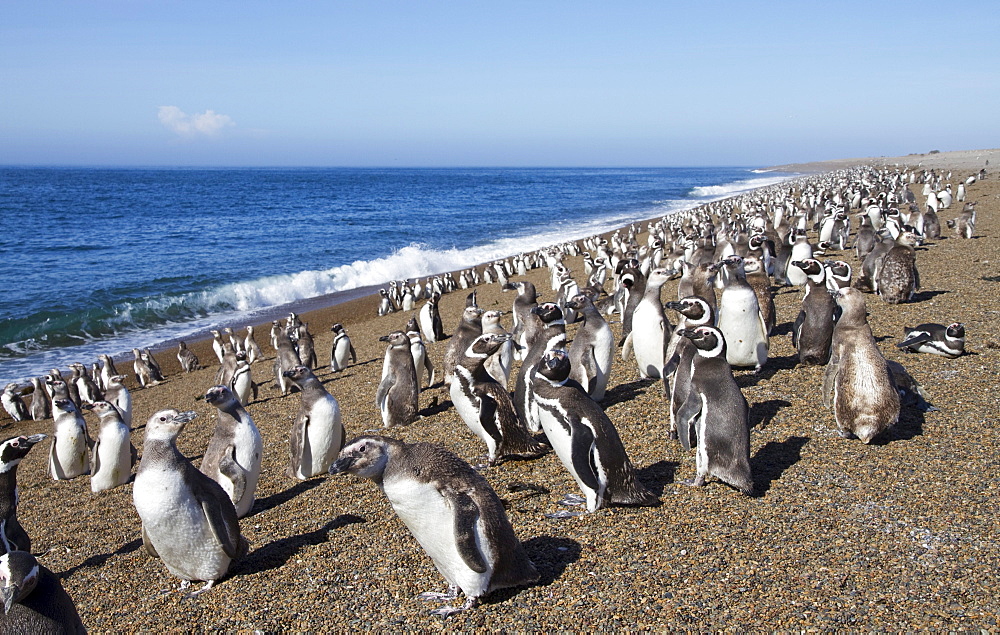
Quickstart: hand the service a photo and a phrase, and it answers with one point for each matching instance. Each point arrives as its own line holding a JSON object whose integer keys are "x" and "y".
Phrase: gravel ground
{"x": 901, "y": 534}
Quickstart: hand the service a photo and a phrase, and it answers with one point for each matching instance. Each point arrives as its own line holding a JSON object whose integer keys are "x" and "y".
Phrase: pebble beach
{"x": 899, "y": 534}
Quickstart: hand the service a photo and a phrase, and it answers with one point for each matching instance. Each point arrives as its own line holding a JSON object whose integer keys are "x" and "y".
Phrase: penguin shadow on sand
{"x": 656, "y": 476}
{"x": 626, "y": 391}
{"x": 922, "y": 296}
{"x": 767, "y": 371}
{"x": 550, "y": 555}
{"x": 278, "y": 552}
{"x": 772, "y": 459}
{"x": 274, "y": 500}
{"x": 98, "y": 560}
{"x": 763, "y": 412}
{"x": 910, "y": 425}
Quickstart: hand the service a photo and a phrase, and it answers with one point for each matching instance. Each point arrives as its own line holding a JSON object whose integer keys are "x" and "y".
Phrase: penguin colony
{"x": 728, "y": 255}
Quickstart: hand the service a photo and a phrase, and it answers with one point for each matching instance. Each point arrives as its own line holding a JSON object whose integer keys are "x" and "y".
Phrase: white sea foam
{"x": 728, "y": 189}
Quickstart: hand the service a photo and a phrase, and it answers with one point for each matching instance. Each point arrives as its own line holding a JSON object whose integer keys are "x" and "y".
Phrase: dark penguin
{"x": 12, "y": 450}
{"x": 397, "y": 395}
{"x": 546, "y": 330}
{"x": 866, "y": 238}
{"x": 936, "y": 339}
{"x": 307, "y": 349}
{"x": 592, "y": 351}
{"x": 450, "y": 509}
{"x": 285, "y": 359}
{"x": 897, "y": 278}
{"x": 633, "y": 281}
{"x": 233, "y": 456}
{"x": 699, "y": 280}
{"x": 187, "y": 358}
{"x": 715, "y": 416}
{"x": 813, "y": 328}
{"x": 468, "y": 329}
{"x": 695, "y": 311}
{"x": 40, "y": 407}
{"x": 188, "y": 520}
{"x": 584, "y": 438}
{"x": 485, "y": 405}
{"x": 317, "y": 434}
{"x": 858, "y": 384}
{"x": 526, "y": 300}
{"x": 33, "y": 599}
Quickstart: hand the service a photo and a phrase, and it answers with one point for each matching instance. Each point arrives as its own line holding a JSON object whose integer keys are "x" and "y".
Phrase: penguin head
{"x": 219, "y": 396}
{"x": 555, "y": 366}
{"x": 812, "y": 268}
{"x": 471, "y": 314}
{"x": 19, "y": 574}
{"x": 486, "y": 345}
{"x": 396, "y": 339}
{"x": 65, "y": 404}
{"x": 365, "y": 456}
{"x": 14, "y": 449}
{"x": 579, "y": 301}
{"x": 167, "y": 424}
{"x": 708, "y": 341}
{"x": 337, "y": 328}
{"x": 103, "y": 409}
{"x": 955, "y": 331}
{"x": 548, "y": 313}
{"x": 694, "y": 308}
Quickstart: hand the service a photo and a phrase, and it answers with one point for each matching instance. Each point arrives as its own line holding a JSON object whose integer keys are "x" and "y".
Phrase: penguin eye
{"x": 163, "y": 418}
{"x": 363, "y": 448}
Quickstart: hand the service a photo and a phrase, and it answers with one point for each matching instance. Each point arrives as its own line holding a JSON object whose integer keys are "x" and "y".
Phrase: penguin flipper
{"x": 429, "y": 366}
{"x": 226, "y": 530}
{"x": 797, "y": 329}
{"x": 95, "y": 458}
{"x": 383, "y": 390}
{"x": 627, "y": 348}
{"x": 915, "y": 338}
{"x": 830, "y": 379}
{"x": 687, "y": 415}
{"x": 354, "y": 356}
{"x": 591, "y": 369}
{"x": 582, "y": 451}
{"x": 148, "y": 544}
{"x": 297, "y": 443}
{"x": 671, "y": 366}
{"x": 466, "y": 515}
{"x": 232, "y": 470}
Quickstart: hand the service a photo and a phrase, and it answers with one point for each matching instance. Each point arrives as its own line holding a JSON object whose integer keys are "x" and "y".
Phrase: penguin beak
{"x": 33, "y": 439}
{"x": 342, "y": 465}
{"x": 184, "y": 417}
{"x": 676, "y": 306}
{"x": 384, "y": 338}
{"x": 688, "y": 333}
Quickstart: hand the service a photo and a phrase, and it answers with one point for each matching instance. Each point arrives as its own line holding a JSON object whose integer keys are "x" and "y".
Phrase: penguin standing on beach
{"x": 695, "y": 311}
{"x": 897, "y": 278}
{"x": 252, "y": 347}
{"x": 546, "y": 330}
{"x": 187, "y": 358}
{"x": 592, "y": 352}
{"x": 13, "y": 403}
{"x": 468, "y": 329}
{"x": 112, "y": 455}
{"x": 68, "y": 452}
{"x": 430, "y": 319}
{"x": 526, "y": 300}
{"x": 317, "y": 434}
{"x": 649, "y": 328}
{"x": 398, "y": 392}
{"x": 12, "y": 451}
{"x": 740, "y": 318}
{"x": 452, "y": 512}
{"x": 714, "y": 417}
{"x": 285, "y": 359}
{"x": 858, "y": 384}
{"x": 341, "y": 350}
{"x": 188, "y": 520}
{"x": 41, "y": 407}
{"x": 813, "y": 328}
{"x": 120, "y": 397}
{"x": 584, "y": 438}
{"x": 421, "y": 360}
{"x": 485, "y": 406}
{"x": 500, "y": 363}
{"x": 33, "y": 599}
{"x": 307, "y": 349}
{"x": 234, "y": 453}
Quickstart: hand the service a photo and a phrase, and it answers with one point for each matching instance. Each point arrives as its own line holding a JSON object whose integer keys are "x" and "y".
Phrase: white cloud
{"x": 207, "y": 124}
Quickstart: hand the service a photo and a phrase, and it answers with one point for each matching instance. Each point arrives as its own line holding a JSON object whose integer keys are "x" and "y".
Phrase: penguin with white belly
{"x": 318, "y": 433}
{"x": 741, "y": 320}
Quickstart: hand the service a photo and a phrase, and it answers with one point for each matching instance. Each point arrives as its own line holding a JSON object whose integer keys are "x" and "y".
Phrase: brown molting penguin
{"x": 897, "y": 278}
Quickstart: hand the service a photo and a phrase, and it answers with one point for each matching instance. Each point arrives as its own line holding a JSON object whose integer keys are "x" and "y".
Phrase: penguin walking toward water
{"x": 13, "y": 403}
{"x": 234, "y": 453}
{"x": 936, "y": 339}
{"x": 33, "y": 599}
{"x": 12, "y": 451}
{"x": 398, "y": 392}
{"x": 341, "y": 350}
{"x": 740, "y": 318}
{"x": 584, "y": 438}
{"x": 112, "y": 455}
{"x": 714, "y": 418}
{"x": 421, "y": 360}
{"x": 812, "y": 332}
{"x": 485, "y": 406}
{"x": 317, "y": 434}
{"x": 188, "y": 520}
{"x": 68, "y": 452}
{"x": 858, "y": 384}
{"x": 592, "y": 352}
{"x": 650, "y": 328}
{"x": 187, "y": 358}
{"x": 452, "y": 512}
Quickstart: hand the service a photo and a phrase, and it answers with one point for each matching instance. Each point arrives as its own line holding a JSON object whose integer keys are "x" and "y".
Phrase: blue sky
{"x": 465, "y": 83}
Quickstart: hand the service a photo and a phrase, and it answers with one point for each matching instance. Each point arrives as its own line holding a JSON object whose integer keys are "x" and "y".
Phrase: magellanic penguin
{"x": 341, "y": 350}
{"x": 112, "y": 455}
{"x": 243, "y": 385}
{"x": 897, "y": 278}
{"x": 285, "y": 359}
{"x": 41, "y": 407}
{"x": 450, "y": 509}
{"x": 430, "y": 319}
{"x": 485, "y": 406}
{"x": 546, "y": 330}
{"x": 188, "y": 520}
{"x": 13, "y": 403}
{"x": 107, "y": 370}
{"x": 421, "y": 360}
{"x": 936, "y": 339}
{"x": 307, "y": 349}
{"x": 526, "y": 300}
{"x": 234, "y": 453}
{"x": 317, "y": 434}
{"x": 592, "y": 352}
{"x": 68, "y": 452}
{"x": 858, "y": 384}
{"x": 187, "y": 358}
{"x": 650, "y": 328}
{"x": 584, "y": 438}
{"x": 398, "y": 392}
{"x": 469, "y": 328}
{"x": 33, "y": 599}
{"x": 965, "y": 224}
{"x": 500, "y": 363}
{"x": 759, "y": 281}
{"x": 12, "y": 451}
{"x": 695, "y": 311}
{"x": 252, "y": 347}
{"x": 119, "y": 396}
{"x": 740, "y": 317}
{"x": 813, "y": 328}
{"x": 715, "y": 416}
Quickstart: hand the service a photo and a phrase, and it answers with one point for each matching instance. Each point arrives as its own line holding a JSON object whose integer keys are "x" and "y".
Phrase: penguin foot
{"x": 447, "y": 611}
{"x": 434, "y": 595}
{"x": 194, "y": 594}
{"x": 698, "y": 481}
{"x": 563, "y": 513}
{"x": 673, "y": 435}
{"x": 572, "y": 499}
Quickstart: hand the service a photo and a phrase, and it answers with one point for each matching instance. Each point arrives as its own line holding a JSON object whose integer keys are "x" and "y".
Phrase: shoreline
{"x": 900, "y": 534}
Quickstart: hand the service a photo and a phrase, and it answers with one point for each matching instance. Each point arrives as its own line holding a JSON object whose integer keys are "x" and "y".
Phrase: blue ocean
{"x": 99, "y": 260}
